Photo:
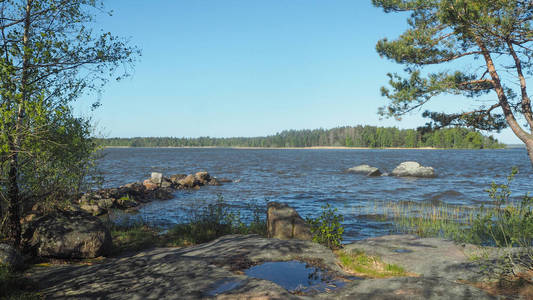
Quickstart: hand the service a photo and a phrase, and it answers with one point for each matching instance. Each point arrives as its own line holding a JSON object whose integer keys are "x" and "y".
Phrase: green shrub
{"x": 509, "y": 225}
{"x": 327, "y": 229}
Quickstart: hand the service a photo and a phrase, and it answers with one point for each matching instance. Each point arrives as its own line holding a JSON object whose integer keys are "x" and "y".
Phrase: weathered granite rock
{"x": 93, "y": 209}
{"x": 149, "y": 185}
{"x": 428, "y": 256}
{"x": 166, "y": 183}
{"x": 106, "y": 203}
{"x": 156, "y": 178}
{"x": 176, "y": 177}
{"x": 284, "y": 222}
{"x": 10, "y": 257}
{"x": 187, "y": 182}
{"x": 194, "y": 272}
{"x": 202, "y": 178}
{"x": 365, "y": 169}
{"x": 413, "y": 169}
{"x": 67, "y": 234}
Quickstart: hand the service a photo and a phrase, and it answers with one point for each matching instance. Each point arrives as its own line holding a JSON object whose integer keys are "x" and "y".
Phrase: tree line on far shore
{"x": 347, "y": 136}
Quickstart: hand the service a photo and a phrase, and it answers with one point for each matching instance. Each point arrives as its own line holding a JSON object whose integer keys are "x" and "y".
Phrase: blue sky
{"x": 250, "y": 68}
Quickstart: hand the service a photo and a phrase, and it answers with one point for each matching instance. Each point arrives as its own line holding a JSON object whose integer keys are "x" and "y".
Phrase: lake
{"x": 307, "y": 179}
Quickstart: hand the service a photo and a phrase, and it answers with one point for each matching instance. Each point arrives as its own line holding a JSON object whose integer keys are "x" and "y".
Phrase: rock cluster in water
{"x": 405, "y": 169}
{"x": 131, "y": 195}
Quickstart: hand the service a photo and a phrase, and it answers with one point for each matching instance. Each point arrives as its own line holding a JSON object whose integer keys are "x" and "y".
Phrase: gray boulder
{"x": 365, "y": 169}
{"x": 10, "y": 257}
{"x": 413, "y": 169}
{"x": 68, "y": 234}
{"x": 284, "y": 222}
{"x": 156, "y": 178}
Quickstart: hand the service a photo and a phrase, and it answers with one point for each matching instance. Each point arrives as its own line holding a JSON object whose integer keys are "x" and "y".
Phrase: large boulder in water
{"x": 284, "y": 222}
{"x": 365, "y": 169}
{"x": 413, "y": 169}
{"x": 68, "y": 234}
{"x": 10, "y": 257}
{"x": 202, "y": 178}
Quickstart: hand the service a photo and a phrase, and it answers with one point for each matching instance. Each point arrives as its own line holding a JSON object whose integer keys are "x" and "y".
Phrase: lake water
{"x": 308, "y": 179}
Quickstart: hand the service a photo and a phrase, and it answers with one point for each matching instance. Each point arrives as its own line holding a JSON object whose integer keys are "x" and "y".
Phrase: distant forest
{"x": 358, "y": 136}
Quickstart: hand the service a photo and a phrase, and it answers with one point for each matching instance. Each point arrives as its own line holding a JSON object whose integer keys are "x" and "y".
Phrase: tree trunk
{"x": 504, "y": 103}
{"x": 529, "y": 147}
{"x": 12, "y": 227}
{"x": 14, "y": 208}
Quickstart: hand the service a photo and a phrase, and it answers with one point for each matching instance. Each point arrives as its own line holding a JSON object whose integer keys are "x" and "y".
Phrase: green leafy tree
{"x": 486, "y": 47}
{"x": 49, "y": 57}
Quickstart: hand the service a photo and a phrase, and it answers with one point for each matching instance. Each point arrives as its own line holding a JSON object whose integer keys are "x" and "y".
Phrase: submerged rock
{"x": 413, "y": 169}
{"x": 365, "y": 169}
{"x": 284, "y": 222}
{"x": 68, "y": 234}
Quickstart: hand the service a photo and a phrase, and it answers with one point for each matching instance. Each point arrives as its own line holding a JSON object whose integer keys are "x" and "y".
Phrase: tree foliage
{"x": 359, "y": 136}
{"x": 482, "y": 47}
{"x": 49, "y": 57}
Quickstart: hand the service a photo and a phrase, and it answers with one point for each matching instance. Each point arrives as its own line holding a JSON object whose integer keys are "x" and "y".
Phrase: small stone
{"x": 149, "y": 185}
{"x": 156, "y": 177}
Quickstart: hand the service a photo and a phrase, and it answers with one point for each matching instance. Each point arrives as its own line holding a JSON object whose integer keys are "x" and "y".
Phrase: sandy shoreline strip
{"x": 289, "y": 148}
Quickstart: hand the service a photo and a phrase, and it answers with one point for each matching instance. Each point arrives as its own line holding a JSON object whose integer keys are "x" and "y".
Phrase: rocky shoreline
{"x": 131, "y": 196}
{"x": 216, "y": 270}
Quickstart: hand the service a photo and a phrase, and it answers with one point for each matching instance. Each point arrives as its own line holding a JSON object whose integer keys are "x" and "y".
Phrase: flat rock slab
{"x": 209, "y": 271}
{"x": 428, "y": 257}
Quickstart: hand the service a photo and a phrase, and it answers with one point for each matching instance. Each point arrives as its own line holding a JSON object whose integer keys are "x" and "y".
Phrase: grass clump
{"x": 134, "y": 237}
{"x": 15, "y": 286}
{"x": 361, "y": 264}
{"x": 205, "y": 224}
{"x": 506, "y": 225}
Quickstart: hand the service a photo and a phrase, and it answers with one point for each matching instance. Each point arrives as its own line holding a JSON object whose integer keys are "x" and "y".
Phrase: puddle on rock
{"x": 297, "y": 276}
{"x": 402, "y": 250}
{"x": 224, "y": 285}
